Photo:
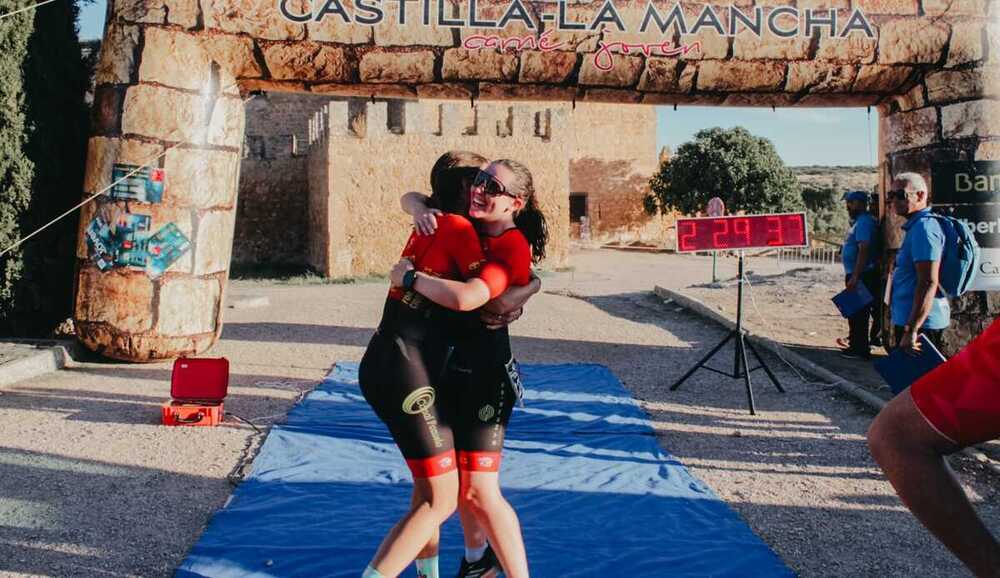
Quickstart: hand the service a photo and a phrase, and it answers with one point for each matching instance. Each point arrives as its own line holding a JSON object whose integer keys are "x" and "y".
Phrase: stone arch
{"x": 172, "y": 75}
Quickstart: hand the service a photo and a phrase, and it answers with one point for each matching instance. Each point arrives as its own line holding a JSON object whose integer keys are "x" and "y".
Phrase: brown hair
{"x": 447, "y": 175}
{"x": 529, "y": 220}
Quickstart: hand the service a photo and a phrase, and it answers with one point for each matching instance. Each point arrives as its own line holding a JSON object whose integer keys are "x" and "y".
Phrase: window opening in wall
{"x": 397, "y": 116}
{"x": 577, "y": 207}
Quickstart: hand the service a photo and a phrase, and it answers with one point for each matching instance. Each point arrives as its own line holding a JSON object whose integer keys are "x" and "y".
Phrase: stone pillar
{"x": 154, "y": 260}
{"x": 950, "y": 115}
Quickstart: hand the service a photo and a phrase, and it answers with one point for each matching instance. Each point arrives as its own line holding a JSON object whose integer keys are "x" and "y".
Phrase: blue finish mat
{"x": 596, "y": 495}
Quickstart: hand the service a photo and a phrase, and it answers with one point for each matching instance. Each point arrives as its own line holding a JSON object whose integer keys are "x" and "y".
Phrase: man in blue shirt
{"x": 859, "y": 268}
{"x": 917, "y": 303}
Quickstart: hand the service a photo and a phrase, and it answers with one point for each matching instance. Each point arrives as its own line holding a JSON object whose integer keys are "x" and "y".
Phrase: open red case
{"x": 197, "y": 390}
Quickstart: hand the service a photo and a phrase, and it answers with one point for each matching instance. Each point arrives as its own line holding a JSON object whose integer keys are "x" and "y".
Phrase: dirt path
{"x": 86, "y": 474}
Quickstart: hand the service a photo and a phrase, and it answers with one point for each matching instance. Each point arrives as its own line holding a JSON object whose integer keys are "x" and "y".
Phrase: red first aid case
{"x": 197, "y": 390}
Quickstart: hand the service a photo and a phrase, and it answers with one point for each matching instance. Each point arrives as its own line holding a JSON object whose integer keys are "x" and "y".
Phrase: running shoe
{"x": 486, "y": 567}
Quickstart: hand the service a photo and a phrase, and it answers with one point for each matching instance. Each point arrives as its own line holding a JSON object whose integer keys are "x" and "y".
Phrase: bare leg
{"x": 481, "y": 494}
{"x": 434, "y": 500}
{"x": 911, "y": 454}
{"x": 472, "y": 532}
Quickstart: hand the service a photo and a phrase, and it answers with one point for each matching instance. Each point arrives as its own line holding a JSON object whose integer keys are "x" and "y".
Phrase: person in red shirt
{"x": 954, "y": 406}
{"x": 483, "y": 374}
{"x": 400, "y": 377}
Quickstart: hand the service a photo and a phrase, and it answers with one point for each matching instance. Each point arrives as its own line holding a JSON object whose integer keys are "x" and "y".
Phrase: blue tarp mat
{"x": 596, "y": 495}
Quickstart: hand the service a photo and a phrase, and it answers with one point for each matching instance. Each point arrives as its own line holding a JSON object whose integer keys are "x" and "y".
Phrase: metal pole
{"x": 737, "y": 366}
{"x": 715, "y": 278}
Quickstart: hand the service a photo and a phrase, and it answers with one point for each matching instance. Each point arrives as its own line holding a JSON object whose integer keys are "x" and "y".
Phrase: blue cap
{"x": 855, "y": 196}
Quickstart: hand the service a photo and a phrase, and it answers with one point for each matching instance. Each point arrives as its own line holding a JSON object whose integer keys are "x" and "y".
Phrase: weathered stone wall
{"x": 171, "y": 70}
{"x": 949, "y": 111}
{"x": 362, "y": 168}
{"x": 273, "y": 210}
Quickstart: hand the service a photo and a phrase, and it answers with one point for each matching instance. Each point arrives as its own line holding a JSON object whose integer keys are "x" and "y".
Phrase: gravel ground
{"x": 91, "y": 486}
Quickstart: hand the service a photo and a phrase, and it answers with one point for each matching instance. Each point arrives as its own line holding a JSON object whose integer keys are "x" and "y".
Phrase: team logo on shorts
{"x": 419, "y": 400}
{"x": 487, "y": 412}
{"x": 445, "y": 462}
{"x": 485, "y": 462}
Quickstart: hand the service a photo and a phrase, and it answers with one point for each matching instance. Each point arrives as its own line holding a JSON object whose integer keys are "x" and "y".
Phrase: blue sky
{"x": 845, "y": 131}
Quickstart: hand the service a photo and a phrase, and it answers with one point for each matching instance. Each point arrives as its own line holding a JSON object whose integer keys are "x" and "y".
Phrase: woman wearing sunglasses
{"x": 482, "y": 374}
{"x": 401, "y": 366}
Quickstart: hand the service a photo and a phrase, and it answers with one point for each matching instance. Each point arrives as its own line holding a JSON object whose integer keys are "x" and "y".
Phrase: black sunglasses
{"x": 490, "y": 185}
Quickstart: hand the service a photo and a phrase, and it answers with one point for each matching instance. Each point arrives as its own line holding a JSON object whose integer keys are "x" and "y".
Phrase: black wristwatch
{"x": 409, "y": 278}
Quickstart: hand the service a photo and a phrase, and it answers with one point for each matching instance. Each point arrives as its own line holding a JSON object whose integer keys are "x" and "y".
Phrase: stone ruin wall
{"x": 172, "y": 74}
{"x": 359, "y": 168}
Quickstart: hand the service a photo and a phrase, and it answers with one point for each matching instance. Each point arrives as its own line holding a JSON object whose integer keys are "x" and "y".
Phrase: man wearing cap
{"x": 859, "y": 268}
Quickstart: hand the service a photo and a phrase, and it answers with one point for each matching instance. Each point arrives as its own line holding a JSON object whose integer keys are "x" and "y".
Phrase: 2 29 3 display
{"x": 741, "y": 232}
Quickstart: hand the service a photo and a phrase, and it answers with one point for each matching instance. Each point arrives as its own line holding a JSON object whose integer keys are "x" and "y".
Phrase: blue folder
{"x": 900, "y": 369}
{"x": 850, "y": 302}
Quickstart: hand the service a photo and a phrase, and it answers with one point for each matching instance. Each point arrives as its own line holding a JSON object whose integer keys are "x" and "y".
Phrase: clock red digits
{"x": 720, "y": 239}
{"x": 774, "y": 236}
{"x": 794, "y": 226}
{"x": 741, "y": 227}
{"x": 687, "y": 233}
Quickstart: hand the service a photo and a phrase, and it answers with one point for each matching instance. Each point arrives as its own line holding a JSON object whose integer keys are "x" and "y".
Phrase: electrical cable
{"x": 25, "y": 9}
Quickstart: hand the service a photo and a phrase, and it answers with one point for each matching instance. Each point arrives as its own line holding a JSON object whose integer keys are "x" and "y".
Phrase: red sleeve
{"x": 510, "y": 263}
{"x": 462, "y": 241}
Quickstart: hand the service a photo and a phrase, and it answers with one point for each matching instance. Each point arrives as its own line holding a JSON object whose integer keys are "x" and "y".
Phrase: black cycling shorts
{"x": 401, "y": 376}
{"x": 485, "y": 382}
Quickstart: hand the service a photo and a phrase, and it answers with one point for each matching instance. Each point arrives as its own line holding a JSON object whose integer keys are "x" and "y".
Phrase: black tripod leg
{"x": 767, "y": 369}
{"x": 702, "y": 362}
{"x": 741, "y": 345}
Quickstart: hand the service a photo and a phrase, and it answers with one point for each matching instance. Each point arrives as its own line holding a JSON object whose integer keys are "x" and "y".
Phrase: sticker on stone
{"x": 146, "y": 185}
{"x": 165, "y": 247}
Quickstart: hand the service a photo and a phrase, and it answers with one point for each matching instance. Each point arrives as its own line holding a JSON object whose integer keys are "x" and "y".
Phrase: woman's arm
{"x": 424, "y": 217}
{"x": 514, "y": 298}
{"x": 455, "y": 295}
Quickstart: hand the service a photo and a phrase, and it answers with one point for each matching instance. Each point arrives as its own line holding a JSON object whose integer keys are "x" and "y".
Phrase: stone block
{"x": 256, "y": 18}
{"x": 478, "y": 65}
{"x": 103, "y": 153}
{"x": 966, "y": 43}
{"x": 214, "y": 242}
{"x": 954, "y": 7}
{"x": 993, "y": 42}
{"x": 911, "y": 129}
{"x": 309, "y": 61}
{"x": 855, "y": 49}
{"x": 736, "y": 76}
{"x": 710, "y": 45}
{"x": 547, "y": 67}
{"x": 526, "y": 92}
{"x": 122, "y": 299}
{"x": 988, "y": 151}
{"x": 577, "y": 40}
{"x": 624, "y": 73}
{"x": 233, "y": 53}
{"x": 829, "y": 99}
{"x": 227, "y": 121}
{"x": 612, "y": 95}
{"x": 817, "y": 76}
{"x": 760, "y": 100}
{"x": 444, "y": 91}
{"x": 188, "y": 306}
{"x": 947, "y": 86}
{"x": 414, "y": 33}
{"x": 750, "y": 47}
{"x": 393, "y": 67}
{"x": 182, "y": 13}
{"x": 119, "y": 51}
{"x": 914, "y": 98}
{"x": 906, "y": 41}
{"x": 893, "y": 7}
{"x": 974, "y": 118}
{"x": 993, "y": 302}
{"x": 332, "y": 28}
{"x": 162, "y": 113}
{"x": 174, "y": 59}
{"x": 667, "y": 75}
{"x": 881, "y": 78}
{"x": 201, "y": 179}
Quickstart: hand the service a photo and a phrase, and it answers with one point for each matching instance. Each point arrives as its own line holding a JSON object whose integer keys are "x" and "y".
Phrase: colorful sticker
{"x": 145, "y": 185}
{"x": 100, "y": 243}
{"x": 164, "y": 248}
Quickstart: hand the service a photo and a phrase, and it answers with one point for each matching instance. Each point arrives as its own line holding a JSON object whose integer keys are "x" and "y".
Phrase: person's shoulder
{"x": 452, "y": 222}
{"x": 513, "y": 240}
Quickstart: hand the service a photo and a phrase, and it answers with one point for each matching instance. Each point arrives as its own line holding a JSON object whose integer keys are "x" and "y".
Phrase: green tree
{"x": 43, "y": 132}
{"x": 743, "y": 170}
{"x": 827, "y": 215}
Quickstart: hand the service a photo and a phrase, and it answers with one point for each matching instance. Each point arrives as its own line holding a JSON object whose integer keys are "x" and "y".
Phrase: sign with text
{"x": 965, "y": 182}
{"x": 984, "y": 221}
{"x": 741, "y": 232}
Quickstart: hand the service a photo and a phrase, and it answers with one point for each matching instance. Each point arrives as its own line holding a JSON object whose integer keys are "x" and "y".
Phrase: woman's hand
{"x": 398, "y": 270}
{"x": 494, "y": 320}
{"x": 425, "y": 221}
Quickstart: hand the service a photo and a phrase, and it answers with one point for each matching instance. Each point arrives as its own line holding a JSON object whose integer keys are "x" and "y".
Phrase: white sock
{"x": 475, "y": 554}
{"x": 371, "y": 573}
